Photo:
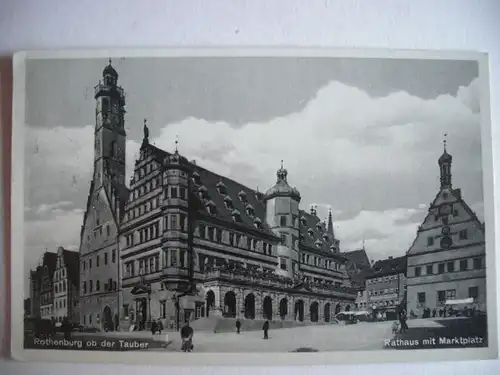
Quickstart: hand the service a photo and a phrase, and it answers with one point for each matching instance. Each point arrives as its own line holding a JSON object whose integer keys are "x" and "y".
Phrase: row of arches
{"x": 249, "y": 311}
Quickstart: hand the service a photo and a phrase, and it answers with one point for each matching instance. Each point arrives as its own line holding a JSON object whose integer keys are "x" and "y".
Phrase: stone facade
{"x": 447, "y": 258}
{"x": 65, "y": 285}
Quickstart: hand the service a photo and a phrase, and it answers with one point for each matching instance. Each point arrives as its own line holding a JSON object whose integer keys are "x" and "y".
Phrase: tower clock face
{"x": 445, "y": 209}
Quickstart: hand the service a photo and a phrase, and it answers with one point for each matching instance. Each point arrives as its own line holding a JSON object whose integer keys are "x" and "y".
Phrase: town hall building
{"x": 183, "y": 243}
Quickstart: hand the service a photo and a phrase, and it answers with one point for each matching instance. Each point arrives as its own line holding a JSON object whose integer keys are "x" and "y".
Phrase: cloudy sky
{"x": 360, "y": 135}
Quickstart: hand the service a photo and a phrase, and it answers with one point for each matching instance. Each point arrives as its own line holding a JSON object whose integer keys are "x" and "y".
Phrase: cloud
{"x": 373, "y": 160}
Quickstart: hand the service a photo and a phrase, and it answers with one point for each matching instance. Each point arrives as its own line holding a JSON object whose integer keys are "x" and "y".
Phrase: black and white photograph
{"x": 183, "y": 205}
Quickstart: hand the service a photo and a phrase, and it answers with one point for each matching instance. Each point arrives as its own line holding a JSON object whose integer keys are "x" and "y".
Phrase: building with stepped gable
{"x": 447, "y": 258}
{"x": 183, "y": 243}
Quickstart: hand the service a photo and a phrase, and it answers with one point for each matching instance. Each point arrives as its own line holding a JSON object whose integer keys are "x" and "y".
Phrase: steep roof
{"x": 388, "y": 266}
{"x": 50, "y": 261}
{"x": 313, "y": 230}
{"x": 358, "y": 258}
{"x": 238, "y": 195}
{"x": 71, "y": 261}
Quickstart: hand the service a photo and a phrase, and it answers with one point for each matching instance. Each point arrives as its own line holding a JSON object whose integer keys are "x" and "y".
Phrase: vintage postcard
{"x": 223, "y": 206}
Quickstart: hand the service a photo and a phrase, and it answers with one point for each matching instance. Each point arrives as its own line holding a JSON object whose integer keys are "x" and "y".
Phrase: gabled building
{"x": 193, "y": 243}
{"x": 386, "y": 286}
{"x": 447, "y": 258}
{"x": 99, "y": 253}
{"x": 41, "y": 287}
{"x": 66, "y": 285}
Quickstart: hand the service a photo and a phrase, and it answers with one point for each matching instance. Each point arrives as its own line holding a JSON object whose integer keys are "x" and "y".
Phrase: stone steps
{"x": 220, "y": 324}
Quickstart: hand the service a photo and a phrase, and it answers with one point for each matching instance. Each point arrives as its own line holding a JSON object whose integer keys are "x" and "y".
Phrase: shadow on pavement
{"x": 454, "y": 333}
{"x": 304, "y": 350}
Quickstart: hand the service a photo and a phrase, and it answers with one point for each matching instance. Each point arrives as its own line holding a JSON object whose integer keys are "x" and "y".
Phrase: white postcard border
{"x": 258, "y": 359}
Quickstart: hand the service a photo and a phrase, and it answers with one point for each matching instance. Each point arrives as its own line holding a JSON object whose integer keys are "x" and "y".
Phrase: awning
{"x": 465, "y": 301}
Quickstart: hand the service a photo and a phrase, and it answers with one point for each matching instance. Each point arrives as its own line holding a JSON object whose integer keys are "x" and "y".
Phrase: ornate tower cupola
{"x": 282, "y": 216}
{"x": 110, "y": 135}
{"x": 445, "y": 167}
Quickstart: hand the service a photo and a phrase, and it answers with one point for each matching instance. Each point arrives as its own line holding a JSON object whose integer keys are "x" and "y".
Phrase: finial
{"x": 444, "y": 141}
{"x": 176, "y": 143}
{"x": 281, "y": 163}
{"x": 146, "y": 130}
{"x": 109, "y": 60}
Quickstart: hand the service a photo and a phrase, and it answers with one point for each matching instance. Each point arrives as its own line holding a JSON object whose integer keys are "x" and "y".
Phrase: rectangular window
{"x": 202, "y": 228}
{"x": 473, "y": 292}
{"x": 173, "y": 258}
{"x": 463, "y": 264}
{"x": 231, "y": 239}
{"x": 441, "y": 297}
{"x": 182, "y": 258}
{"x": 421, "y": 297}
{"x": 462, "y": 235}
{"x": 441, "y": 267}
{"x": 429, "y": 269}
{"x": 105, "y": 258}
{"x": 173, "y": 221}
{"x": 113, "y": 256}
{"x": 173, "y": 192}
{"x": 90, "y": 286}
{"x": 477, "y": 263}
{"x": 283, "y": 221}
{"x": 97, "y": 261}
{"x": 182, "y": 193}
{"x": 450, "y": 266}
{"x": 84, "y": 287}
{"x": 418, "y": 271}
{"x": 430, "y": 241}
{"x": 451, "y": 294}
{"x": 218, "y": 235}
{"x": 182, "y": 222}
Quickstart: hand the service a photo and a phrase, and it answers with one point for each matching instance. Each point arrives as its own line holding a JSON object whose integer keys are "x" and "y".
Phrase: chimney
{"x": 390, "y": 257}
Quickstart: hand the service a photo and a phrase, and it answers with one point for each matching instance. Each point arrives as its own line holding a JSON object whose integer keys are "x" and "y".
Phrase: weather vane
{"x": 444, "y": 140}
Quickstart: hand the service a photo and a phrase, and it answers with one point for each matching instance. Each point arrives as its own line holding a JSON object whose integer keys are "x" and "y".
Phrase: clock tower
{"x": 110, "y": 136}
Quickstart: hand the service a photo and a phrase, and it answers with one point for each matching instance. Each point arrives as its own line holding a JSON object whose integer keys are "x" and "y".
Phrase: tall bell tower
{"x": 110, "y": 135}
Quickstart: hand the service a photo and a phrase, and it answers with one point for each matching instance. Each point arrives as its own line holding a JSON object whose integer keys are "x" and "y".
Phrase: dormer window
{"x": 236, "y": 216}
{"x": 211, "y": 207}
{"x": 258, "y": 223}
{"x": 310, "y": 232}
{"x": 228, "y": 202}
{"x": 325, "y": 237}
{"x": 196, "y": 178}
{"x": 318, "y": 243}
{"x": 221, "y": 188}
{"x": 319, "y": 226}
{"x": 250, "y": 210}
{"x": 242, "y": 196}
{"x": 202, "y": 192}
{"x": 333, "y": 249}
{"x": 303, "y": 220}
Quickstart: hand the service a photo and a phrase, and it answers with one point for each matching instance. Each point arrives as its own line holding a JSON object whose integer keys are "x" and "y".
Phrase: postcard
{"x": 252, "y": 206}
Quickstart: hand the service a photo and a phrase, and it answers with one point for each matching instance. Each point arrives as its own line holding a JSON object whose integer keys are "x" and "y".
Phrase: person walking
{"x": 159, "y": 326}
{"x": 187, "y": 338}
{"x": 153, "y": 327}
{"x": 265, "y": 328}
{"x": 238, "y": 326}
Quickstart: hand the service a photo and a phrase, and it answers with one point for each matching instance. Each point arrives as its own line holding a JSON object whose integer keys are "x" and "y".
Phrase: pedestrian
{"x": 265, "y": 327}
{"x": 153, "y": 327}
{"x": 238, "y": 326}
{"x": 434, "y": 313}
{"x": 159, "y": 326}
{"x": 187, "y": 338}
{"x": 403, "y": 318}
{"x": 66, "y": 328}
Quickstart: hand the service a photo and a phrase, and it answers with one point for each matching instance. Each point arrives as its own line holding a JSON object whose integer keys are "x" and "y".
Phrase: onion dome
{"x": 445, "y": 158}
{"x": 109, "y": 71}
{"x": 281, "y": 188}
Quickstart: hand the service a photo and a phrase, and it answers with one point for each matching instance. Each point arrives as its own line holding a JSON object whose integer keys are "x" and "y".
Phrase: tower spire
{"x": 177, "y": 143}
{"x": 330, "y": 222}
{"x": 444, "y": 163}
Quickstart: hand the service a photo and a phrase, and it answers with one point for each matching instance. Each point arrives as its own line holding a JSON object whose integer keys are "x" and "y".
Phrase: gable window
{"x": 450, "y": 266}
{"x": 462, "y": 235}
{"x": 418, "y": 271}
{"x": 463, "y": 264}
{"x": 477, "y": 263}
{"x": 430, "y": 241}
{"x": 441, "y": 268}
